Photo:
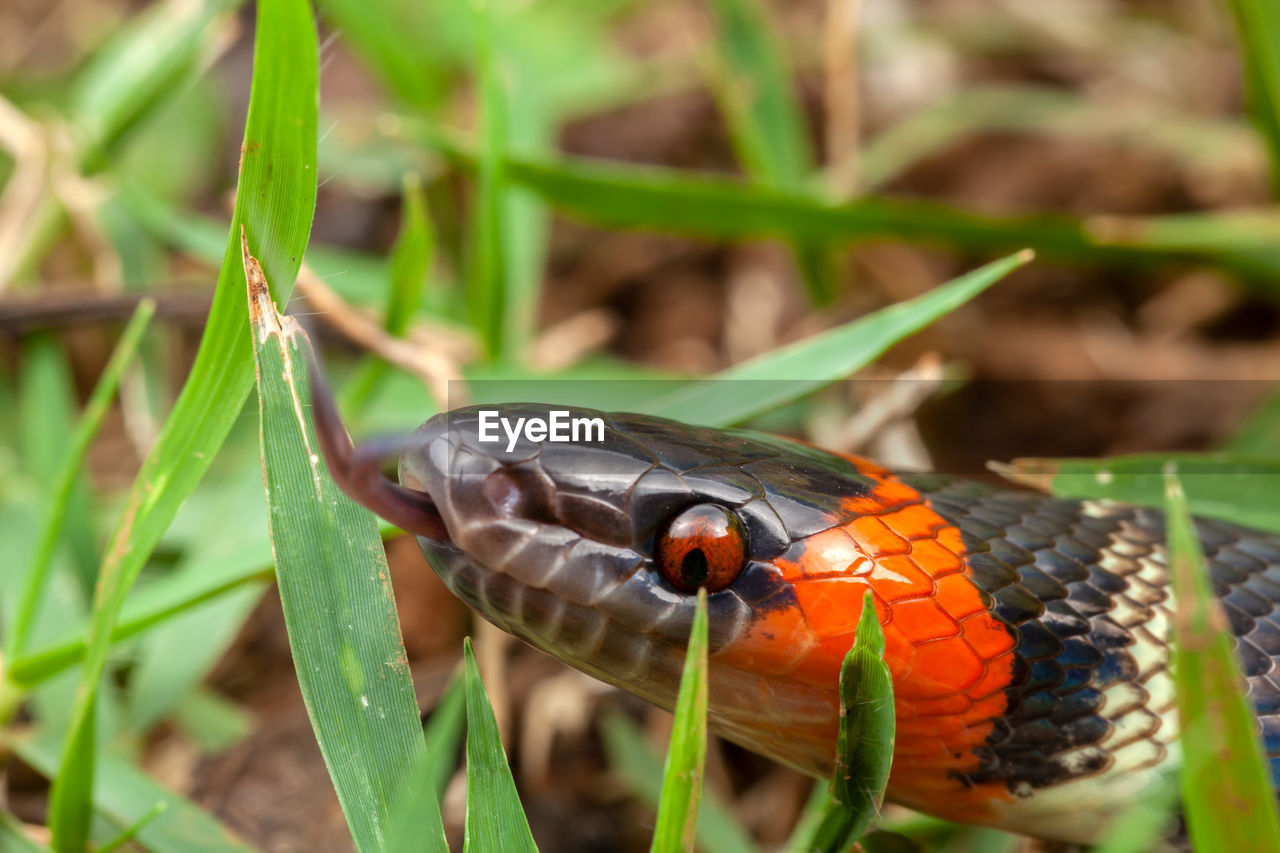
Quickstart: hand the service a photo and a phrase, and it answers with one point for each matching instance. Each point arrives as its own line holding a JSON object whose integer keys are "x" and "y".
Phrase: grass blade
{"x": 765, "y": 122}
{"x": 124, "y": 793}
{"x": 410, "y": 258}
{"x": 687, "y": 752}
{"x": 1226, "y": 787}
{"x": 444, "y": 732}
{"x": 200, "y": 581}
{"x": 338, "y": 605}
{"x": 716, "y": 207}
{"x": 640, "y": 769}
{"x": 131, "y": 831}
{"x": 823, "y": 358}
{"x": 47, "y": 414}
{"x": 495, "y": 818}
{"x": 151, "y": 57}
{"x": 13, "y": 839}
{"x": 755, "y": 94}
{"x": 1144, "y": 825}
{"x": 867, "y": 723}
{"x": 389, "y": 37}
{"x": 275, "y": 200}
{"x": 486, "y": 288}
{"x": 417, "y": 816}
{"x": 1238, "y": 488}
{"x": 1258, "y": 25}
{"x": 72, "y": 464}
{"x": 1259, "y": 435}
{"x": 410, "y": 262}
{"x": 864, "y": 753}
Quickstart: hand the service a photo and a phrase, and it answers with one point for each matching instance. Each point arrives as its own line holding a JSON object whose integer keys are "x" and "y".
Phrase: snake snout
{"x": 525, "y": 464}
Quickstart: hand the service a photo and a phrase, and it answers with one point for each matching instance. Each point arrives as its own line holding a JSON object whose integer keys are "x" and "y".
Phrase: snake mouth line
{"x": 358, "y": 470}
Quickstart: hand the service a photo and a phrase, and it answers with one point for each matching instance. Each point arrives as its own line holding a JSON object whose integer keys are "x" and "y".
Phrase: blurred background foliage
{"x": 603, "y": 189}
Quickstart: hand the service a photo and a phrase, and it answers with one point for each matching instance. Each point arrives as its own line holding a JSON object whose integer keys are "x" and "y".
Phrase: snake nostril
{"x": 503, "y": 491}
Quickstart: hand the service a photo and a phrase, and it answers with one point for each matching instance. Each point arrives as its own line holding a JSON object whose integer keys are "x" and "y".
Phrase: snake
{"x": 1027, "y": 635}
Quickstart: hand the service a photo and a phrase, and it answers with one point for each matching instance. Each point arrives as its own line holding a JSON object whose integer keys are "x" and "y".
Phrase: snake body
{"x": 1027, "y": 636}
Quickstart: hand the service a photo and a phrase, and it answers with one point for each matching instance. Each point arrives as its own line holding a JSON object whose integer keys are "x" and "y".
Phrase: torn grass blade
{"x": 795, "y": 370}
{"x": 1226, "y": 786}
{"x": 687, "y": 753}
{"x": 495, "y": 818}
{"x": 338, "y": 605}
{"x": 275, "y": 197}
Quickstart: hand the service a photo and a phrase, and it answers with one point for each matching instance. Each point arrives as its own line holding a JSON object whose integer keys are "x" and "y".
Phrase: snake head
{"x": 593, "y": 549}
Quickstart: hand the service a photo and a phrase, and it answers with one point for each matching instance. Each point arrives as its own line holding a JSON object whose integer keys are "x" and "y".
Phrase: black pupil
{"x": 693, "y": 568}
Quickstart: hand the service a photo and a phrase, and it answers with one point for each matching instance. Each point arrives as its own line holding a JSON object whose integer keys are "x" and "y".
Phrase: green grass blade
{"x": 766, "y": 123}
{"x": 640, "y": 769}
{"x": 47, "y": 425}
{"x": 124, "y": 793}
{"x": 200, "y": 581}
{"x": 69, "y": 469}
{"x": 864, "y": 752}
{"x": 717, "y": 207}
{"x": 1144, "y": 825}
{"x": 1258, "y": 25}
{"x": 410, "y": 258}
{"x": 802, "y": 367}
{"x": 1226, "y": 787}
{"x": 71, "y": 795}
{"x": 211, "y": 721}
{"x": 131, "y": 831}
{"x": 1242, "y": 489}
{"x": 486, "y": 285}
{"x": 804, "y": 836}
{"x": 867, "y": 724}
{"x": 417, "y": 815}
{"x": 13, "y": 839}
{"x": 444, "y": 732}
{"x": 687, "y": 753}
{"x": 153, "y": 56}
{"x": 338, "y": 605}
{"x": 170, "y": 664}
{"x": 755, "y": 93}
{"x": 275, "y": 201}
{"x": 1259, "y": 435}
{"x": 390, "y": 37}
{"x": 495, "y": 818}
{"x": 410, "y": 262}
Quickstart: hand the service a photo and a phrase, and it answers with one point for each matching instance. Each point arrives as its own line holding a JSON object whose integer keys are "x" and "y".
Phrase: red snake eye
{"x": 705, "y": 545}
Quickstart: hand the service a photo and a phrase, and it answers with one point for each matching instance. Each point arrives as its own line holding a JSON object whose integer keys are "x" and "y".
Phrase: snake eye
{"x": 705, "y": 545}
